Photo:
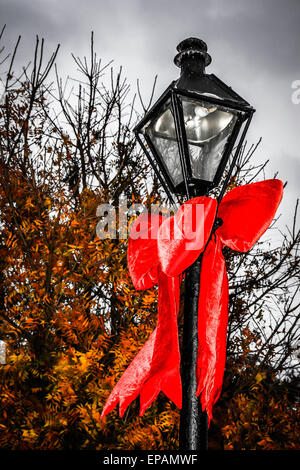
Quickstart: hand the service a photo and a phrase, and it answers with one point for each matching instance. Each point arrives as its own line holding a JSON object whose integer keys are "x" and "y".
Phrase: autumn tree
{"x": 70, "y": 317}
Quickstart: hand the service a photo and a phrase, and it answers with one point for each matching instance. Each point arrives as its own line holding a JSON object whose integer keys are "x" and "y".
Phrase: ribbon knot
{"x": 160, "y": 249}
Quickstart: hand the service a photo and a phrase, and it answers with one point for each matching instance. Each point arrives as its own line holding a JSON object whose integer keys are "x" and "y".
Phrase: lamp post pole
{"x": 193, "y": 429}
{"x": 193, "y": 432}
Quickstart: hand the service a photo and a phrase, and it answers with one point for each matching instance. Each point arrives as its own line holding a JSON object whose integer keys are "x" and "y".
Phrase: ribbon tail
{"x": 212, "y": 325}
{"x": 165, "y": 367}
{"x": 156, "y": 366}
{"x": 131, "y": 382}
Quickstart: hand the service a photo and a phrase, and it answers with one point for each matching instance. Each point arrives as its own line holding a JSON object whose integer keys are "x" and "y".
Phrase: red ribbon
{"x": 160, "y": 249}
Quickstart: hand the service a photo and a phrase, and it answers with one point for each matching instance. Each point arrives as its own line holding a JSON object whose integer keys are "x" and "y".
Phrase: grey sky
{"x": 255, "y": 47}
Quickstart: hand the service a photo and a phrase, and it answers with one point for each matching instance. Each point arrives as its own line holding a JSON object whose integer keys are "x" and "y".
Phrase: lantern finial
{"x": 192, "y": 49}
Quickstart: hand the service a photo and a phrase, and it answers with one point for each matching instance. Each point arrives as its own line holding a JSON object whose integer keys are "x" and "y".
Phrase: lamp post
{"x": 188, "y": 136}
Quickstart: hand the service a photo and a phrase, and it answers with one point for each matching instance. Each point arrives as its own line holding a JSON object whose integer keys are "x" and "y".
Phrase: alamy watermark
{"x": 296, "y": 93}
{"x": 118, "y": 222}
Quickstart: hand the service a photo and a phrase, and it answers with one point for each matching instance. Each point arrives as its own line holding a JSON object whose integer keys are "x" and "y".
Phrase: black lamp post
{"x": 188, "y": 136}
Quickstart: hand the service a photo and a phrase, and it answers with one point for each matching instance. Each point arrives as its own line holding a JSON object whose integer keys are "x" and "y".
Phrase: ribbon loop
{"x": 182, "y": 238}
{"x": 247, "y": 212}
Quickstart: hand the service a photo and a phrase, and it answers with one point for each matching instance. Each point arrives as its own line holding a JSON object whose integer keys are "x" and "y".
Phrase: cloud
{"x": 254, "y": 46}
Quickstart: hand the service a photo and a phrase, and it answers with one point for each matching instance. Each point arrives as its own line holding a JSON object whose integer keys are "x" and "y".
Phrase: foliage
{"x": 70, "y": 317}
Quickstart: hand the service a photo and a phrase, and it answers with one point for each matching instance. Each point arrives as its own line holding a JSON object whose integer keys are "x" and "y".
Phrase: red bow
{"x": 159, "y": 250}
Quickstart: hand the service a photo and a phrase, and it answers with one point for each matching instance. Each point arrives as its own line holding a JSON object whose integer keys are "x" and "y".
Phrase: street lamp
{"x": 189, "y": 133}
{"x": 188, "y": 136}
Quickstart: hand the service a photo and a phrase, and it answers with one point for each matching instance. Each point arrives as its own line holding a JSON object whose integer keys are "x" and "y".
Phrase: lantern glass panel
{"x": 208, "y": 128}
{"x": 161, "y": 132}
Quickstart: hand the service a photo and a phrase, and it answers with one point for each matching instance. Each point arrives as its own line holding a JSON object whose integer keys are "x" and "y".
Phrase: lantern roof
{"x": 189, "y": 133}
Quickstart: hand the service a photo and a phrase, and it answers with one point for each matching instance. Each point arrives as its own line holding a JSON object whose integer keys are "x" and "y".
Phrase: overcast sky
{"x": 255, "y": 48}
